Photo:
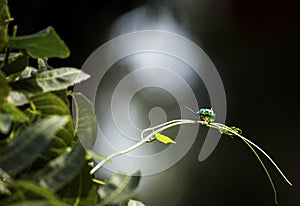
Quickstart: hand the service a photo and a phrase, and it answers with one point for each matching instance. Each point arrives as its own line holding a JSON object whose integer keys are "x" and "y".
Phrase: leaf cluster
{"x": 42, "y": 161}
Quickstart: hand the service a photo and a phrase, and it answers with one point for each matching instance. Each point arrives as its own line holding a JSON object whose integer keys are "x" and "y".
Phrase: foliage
{"x": 42, "y": 161}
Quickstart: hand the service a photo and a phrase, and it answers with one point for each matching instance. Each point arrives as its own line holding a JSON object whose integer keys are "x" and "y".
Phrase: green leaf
{"x": 164, "y": 139}
{"x": 81, "y": 191}
{"x": 60, "y": 171}
{"x": 85, "y": 120}
{"x": 51, "y": 80}
{"x": 135, "y": 203}
{"x": 43, "y": 192}
{"x": 50, "y": 104}
{"x": 61, "y": 78}
{"x": 63, "y": 95}
{"x": 16, "y": 63}
{"x": 229, "y": 131}
{"x": 29, "y": 143}
{"x": 15, "y": 113}
{"x": 119, "y": 188}
{"x": 43, "y": 44}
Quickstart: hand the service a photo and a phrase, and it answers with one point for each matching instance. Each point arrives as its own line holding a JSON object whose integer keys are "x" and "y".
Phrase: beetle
{"x": 207, "y": 115}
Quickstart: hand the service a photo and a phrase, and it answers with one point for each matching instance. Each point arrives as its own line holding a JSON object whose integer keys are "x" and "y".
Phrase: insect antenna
{"x": 190, "y": 109}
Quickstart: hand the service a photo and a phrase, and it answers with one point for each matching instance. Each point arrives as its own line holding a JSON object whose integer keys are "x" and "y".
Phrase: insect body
{"x": 206, "y": 115}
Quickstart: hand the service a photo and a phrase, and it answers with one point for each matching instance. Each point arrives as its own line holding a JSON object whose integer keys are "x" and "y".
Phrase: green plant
{"x": 42, "y": 161}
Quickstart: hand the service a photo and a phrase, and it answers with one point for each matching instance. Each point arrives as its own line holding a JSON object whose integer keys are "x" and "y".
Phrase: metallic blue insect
{"x": 207, "y": 115}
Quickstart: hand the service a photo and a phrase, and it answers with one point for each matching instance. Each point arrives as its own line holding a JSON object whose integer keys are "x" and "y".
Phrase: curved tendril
{"x": 161, "y": 127}
{"x": 266, "y": 170}
{"x": 102, "y": 162}
{"x": 249, "y": 144}
{"x": 284, "y": 177}
{"x": 214, "y": 125}
{"x": 158, "y": 126}
{"x": 253, "y": 144}
{"x": 190, "y": 109}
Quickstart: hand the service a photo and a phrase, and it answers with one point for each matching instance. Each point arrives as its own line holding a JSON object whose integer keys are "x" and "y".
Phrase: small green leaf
{"x": 85, "y": 120}
{"x": 119, "y": 188}
{"x": 51, "y": 80}
{"x": 43, "y": 44}
{"x": 164, "y": 139}
{"x": 81, "y": 191}
{"x": 28, "y": 144}
{"x": 15, "y": 113}
{"x": 60, "y": 78}
{"x": 60, "y": 171}
{"x": 230, "y": 131}
{"x": 135, "y": 203}
{"x": 43, "y": 192}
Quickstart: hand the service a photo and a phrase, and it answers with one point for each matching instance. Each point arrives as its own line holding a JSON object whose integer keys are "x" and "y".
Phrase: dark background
{"x": 257, "y": 55}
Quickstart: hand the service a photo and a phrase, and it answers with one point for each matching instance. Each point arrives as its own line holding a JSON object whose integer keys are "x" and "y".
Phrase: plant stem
{"x": 218, "y": 126}
{"x": 161, "y": 127}
{"x": 266, "y": 171}
{"x": 99, "y": 165}
{"x": 261, "y": 150}
{"x": 249, "y": 143}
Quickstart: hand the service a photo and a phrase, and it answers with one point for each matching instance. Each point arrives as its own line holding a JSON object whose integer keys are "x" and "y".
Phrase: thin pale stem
{"x": 173, "y": 123}
{"x": 266, "y": 171}
{"x": 155, "y": 127}
{"x": 218, "y": 126}
{"x": 252, "y": 143}
{"x": 100, "y": 164}
{"x": 163, "y": 126}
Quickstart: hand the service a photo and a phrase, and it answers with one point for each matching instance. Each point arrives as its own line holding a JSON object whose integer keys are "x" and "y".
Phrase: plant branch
{"x": 232, "y": 131}
{"x": 156, "y": 129}
{"x": 253, "y": 144}
{"x": 266, "y": 171}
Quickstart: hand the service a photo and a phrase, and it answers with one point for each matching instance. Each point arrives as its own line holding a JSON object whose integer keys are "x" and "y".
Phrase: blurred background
{"x": 255, "y": 47}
